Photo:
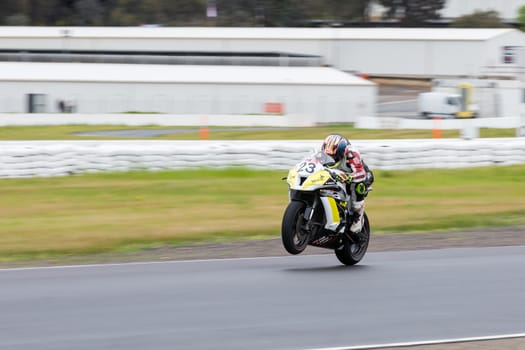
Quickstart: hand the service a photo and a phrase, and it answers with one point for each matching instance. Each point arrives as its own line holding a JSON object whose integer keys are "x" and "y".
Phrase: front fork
{"x": 309, "y": 213}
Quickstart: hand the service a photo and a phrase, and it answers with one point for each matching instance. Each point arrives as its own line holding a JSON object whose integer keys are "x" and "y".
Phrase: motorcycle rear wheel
{"x": 294, "y": 238}
{"x": 353, "y": 252}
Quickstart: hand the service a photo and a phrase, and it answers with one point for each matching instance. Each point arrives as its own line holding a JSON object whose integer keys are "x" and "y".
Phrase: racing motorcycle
{"x": 317, "y": 213}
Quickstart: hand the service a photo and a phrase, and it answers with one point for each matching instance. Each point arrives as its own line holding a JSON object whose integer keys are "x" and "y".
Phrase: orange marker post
{"x": 204, "y": 131}
{"x": 437, "y": 133}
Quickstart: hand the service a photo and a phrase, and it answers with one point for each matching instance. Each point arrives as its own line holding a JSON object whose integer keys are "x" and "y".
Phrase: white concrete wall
{"x": 59, "y": 158}
{"x": 443, "y": 124}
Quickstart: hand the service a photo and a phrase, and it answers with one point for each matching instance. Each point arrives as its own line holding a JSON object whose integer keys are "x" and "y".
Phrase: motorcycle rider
{"x": 355, "y": 173}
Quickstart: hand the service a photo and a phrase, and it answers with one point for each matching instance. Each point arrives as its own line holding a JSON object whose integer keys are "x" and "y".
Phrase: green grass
{"x": 122, "y": 212}
{"x": 68, "y": 132}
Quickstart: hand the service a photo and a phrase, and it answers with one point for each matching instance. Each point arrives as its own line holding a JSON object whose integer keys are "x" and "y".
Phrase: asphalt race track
{"x": 294, "y": 302}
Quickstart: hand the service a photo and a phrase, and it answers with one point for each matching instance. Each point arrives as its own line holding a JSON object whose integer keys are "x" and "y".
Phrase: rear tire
{"x": 294, "y": 239}
{"x": 352, "y": 253}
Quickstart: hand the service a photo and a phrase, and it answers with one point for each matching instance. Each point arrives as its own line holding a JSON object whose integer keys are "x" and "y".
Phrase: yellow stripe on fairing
{"x": 335, "y": 212}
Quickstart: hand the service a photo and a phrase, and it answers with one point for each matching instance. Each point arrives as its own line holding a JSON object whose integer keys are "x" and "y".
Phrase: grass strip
{"x": 125, "y": 212}
{"x": 69, "y": 132}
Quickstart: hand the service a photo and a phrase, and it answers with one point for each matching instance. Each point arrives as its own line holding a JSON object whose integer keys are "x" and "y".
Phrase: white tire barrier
{"x": 59, "y": 158}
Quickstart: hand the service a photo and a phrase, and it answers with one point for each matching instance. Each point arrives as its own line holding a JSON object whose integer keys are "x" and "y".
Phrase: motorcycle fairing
{"x": 333, "y": 219}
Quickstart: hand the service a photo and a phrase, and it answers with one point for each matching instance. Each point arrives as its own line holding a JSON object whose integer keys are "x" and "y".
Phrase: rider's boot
{"x": 358, "y": 217}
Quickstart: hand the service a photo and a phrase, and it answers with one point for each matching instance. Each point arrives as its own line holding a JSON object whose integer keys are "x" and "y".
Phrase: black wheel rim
{"x": 300, "y": 237}
{"x": 359, "y": 248}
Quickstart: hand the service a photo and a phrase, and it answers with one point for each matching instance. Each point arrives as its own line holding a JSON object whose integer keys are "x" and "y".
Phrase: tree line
{"x": 208, "y": 12}
{"x": 235, "y": 13}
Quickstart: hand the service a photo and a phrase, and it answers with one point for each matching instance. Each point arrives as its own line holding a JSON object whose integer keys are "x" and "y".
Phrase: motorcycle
{"x": 317, "y": 213}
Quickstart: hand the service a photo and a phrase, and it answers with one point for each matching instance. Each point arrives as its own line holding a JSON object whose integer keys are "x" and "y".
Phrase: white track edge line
{"x": 426, "y": 342}
{"x": 139, "y": 263}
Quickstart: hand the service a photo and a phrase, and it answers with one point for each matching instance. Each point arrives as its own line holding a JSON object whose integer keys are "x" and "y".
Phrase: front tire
{"x": 353, "y": 252}
{"x": 294, "y": 238}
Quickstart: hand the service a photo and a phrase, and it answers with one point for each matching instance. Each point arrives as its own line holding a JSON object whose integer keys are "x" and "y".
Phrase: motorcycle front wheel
{"x": 353, "y": 252}
{"x": 294, "y": 238}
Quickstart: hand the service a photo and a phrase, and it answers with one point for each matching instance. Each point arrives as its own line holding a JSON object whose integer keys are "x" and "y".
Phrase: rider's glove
{"x": 343, "y": 177}
{"x": 361, "y": 189}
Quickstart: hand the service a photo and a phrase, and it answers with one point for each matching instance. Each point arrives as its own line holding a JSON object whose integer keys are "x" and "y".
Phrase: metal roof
{"x": 135, "y": 73}
{"x": 254, "y": 33}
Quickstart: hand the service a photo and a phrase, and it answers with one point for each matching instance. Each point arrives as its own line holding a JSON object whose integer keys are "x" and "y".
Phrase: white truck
{"x": 443, "y": 105}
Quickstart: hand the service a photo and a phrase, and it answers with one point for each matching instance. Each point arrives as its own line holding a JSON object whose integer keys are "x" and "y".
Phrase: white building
{"x": 320, "y": 94}
{"x": 419, "y": 52}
